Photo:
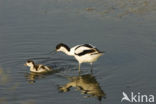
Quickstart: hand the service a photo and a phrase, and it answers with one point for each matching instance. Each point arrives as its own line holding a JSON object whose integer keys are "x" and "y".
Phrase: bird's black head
{"x": 29, "y": 63}
{"x": 62, "y": 45}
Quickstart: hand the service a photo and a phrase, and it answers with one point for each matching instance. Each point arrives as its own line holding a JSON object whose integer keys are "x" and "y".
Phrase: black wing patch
{"x": 36, "y": 67}
{"x": 85, "y": 52}
{"x": 43, "y": 67}
{"x": 85, "y": 45}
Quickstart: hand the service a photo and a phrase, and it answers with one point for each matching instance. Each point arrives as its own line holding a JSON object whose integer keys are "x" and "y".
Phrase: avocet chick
{"x": 37, "y": 68}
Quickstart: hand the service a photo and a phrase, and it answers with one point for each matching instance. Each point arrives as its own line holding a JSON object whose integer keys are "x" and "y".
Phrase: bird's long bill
{"x": 53, "y": 52}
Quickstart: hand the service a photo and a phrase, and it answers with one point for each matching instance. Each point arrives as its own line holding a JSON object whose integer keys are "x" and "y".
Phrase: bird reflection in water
{"x": 86, "y": 84}
{"x": 33, "y": 77}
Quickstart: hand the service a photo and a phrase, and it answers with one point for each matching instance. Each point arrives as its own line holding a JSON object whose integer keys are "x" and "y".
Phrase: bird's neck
{"x": 33, "y": 67}
{"x": 68, "y": 52}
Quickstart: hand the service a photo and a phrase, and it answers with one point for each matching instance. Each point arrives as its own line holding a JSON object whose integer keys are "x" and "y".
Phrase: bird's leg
{"x": 91, "y": 67}
{"x": 79, "y": 67}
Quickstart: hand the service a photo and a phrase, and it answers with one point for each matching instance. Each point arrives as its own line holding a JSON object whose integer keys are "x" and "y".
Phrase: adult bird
{"x": 84, "y": 53}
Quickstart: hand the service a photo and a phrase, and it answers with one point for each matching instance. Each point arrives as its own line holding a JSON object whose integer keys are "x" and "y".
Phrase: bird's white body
{"x": 86, "y": 58}
{"x": 40, "y": 69}
{"x": 84, "y": 53}
{"x": 37, "y": 68}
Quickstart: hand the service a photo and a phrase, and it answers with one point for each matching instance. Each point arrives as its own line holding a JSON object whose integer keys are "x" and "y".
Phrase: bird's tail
{"x": 102, "y": 52}
{"x": 98, "y": 53}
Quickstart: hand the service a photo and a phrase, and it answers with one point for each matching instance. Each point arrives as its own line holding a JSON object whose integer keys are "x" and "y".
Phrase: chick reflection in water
{"x": 86, "y": 84}
{"x": 33, "y": 77}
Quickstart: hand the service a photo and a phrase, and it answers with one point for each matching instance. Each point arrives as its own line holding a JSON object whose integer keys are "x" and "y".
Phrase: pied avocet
{"x": 85, "y": 53}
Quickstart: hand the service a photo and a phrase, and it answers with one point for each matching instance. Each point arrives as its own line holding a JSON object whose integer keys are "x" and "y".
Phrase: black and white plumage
{"x": 39, "y": 68}
{"x": 85, "y": 53}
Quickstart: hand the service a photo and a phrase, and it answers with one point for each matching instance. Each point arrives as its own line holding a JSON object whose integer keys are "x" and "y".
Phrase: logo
{"x": 137, "y": 97}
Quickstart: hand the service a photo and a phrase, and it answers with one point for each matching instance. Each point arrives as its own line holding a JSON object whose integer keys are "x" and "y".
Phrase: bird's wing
{"x": 84, "y": 47}
{"x": 45, "y": 68}
{"x": 88, "y": 45}
{"x": 91, "y": 51}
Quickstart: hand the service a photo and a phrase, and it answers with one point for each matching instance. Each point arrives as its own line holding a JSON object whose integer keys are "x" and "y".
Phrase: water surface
{"x": 30, "y": 29}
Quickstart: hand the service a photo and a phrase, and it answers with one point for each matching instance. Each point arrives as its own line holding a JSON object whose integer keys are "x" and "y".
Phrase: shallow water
{"x": 30, "y": 29}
